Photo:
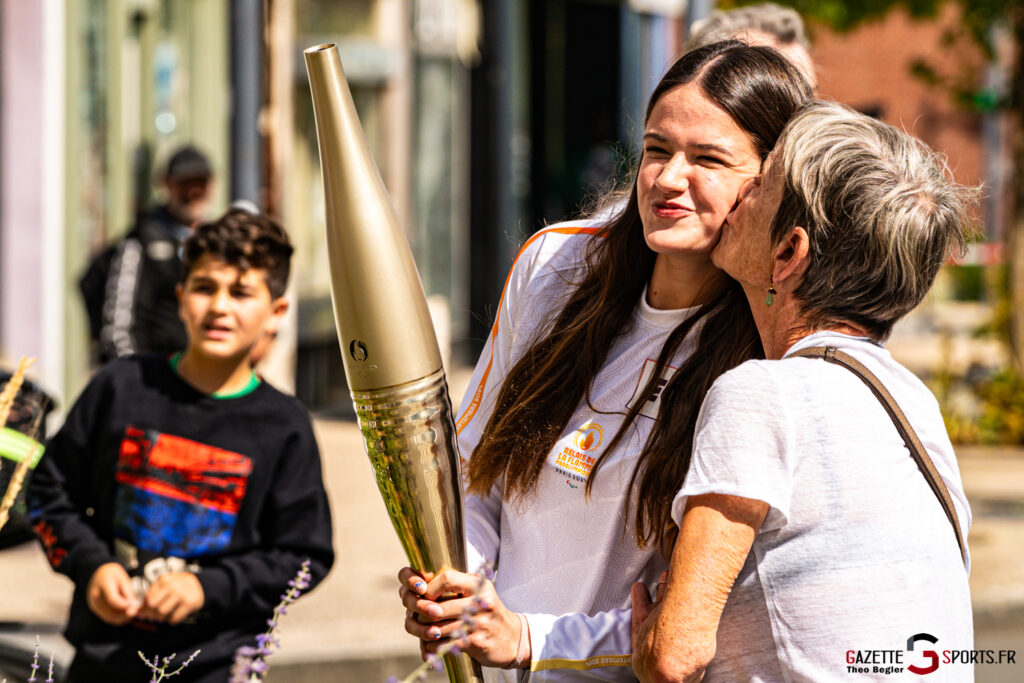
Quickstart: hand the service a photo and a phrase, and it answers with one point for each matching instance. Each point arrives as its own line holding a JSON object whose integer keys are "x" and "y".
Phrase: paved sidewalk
{"x": 350, "y": 628}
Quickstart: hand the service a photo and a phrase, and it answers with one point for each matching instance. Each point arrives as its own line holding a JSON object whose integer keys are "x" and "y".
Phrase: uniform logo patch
{"x": 578, "y": 460}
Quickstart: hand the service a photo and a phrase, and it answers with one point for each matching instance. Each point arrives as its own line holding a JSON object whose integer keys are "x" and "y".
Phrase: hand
{"x": 642, "y": 605}
{"x": 494, "y": 637}
{"x": 110, "y": 594}
{"x": 173, "y": 597}
{"x": 641, "y": 623}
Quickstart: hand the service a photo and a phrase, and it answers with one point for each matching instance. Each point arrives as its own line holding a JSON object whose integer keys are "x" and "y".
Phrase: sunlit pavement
{"x": 350, "y": 627}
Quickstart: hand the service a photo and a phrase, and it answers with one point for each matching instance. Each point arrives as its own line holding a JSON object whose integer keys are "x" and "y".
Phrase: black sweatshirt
{"x": 129, "y": 289}
{"x": 151, "y": 473}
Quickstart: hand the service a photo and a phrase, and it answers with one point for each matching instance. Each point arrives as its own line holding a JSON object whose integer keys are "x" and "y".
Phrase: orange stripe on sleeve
{"x": 478, "y": 393}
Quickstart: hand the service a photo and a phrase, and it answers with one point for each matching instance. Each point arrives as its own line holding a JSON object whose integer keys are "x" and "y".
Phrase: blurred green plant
{"x": 1000, "y": 415}
{"x": 968, "y": 282}
{"x": 1002, "y": 409}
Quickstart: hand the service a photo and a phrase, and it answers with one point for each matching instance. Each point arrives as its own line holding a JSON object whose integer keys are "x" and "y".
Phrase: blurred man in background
{"x": 129, "y": 288}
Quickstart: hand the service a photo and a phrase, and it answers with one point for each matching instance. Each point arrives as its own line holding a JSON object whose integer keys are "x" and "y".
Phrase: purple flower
{"x": 35, "y": 663}
{"x": 158, "y": 667}
{"x": 251, "y": 662}
{"x": 435, "y": 662}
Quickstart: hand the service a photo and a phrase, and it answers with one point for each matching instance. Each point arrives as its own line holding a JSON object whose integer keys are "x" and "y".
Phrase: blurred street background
{"x": 488, "y": 119}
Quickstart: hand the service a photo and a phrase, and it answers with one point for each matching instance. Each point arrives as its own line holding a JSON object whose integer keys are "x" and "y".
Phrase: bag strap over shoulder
{"x": 914, "y": 445}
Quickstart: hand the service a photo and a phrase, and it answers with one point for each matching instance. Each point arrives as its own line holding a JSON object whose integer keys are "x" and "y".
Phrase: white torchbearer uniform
{"x": 565, "y": 561}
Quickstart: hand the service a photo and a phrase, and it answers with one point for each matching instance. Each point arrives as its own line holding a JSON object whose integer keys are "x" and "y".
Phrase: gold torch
{"x": 391, "y": 357}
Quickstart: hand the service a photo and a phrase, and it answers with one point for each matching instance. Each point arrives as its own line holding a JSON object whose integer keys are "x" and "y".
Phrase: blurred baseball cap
{"x": 188, "y": 163}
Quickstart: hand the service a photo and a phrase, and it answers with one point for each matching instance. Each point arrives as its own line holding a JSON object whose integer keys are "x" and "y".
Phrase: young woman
{"x": 606, "y": 340}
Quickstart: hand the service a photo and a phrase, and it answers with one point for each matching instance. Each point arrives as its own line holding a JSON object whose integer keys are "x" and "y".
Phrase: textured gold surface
{"x": 408, "y": 432}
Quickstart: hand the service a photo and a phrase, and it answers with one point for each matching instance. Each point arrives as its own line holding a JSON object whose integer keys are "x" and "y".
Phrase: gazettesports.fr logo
{"x": 920, "y": 658}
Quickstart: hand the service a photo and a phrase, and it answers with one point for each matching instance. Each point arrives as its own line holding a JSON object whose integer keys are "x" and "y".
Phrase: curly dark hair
{"x": 245, "y": 240}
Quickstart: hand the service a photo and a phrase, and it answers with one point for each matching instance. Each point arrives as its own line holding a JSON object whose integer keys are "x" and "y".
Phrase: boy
{"x": 183, "y": 493}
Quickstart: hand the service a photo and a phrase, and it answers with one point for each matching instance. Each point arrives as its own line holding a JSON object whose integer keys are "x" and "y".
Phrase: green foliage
{"x": 968, "y": 282}
{"x": 1001, "y": 420}
{"x": 998, "y": 288}
{"x": 977, "y": 19}
{"x": 844, "y": 15}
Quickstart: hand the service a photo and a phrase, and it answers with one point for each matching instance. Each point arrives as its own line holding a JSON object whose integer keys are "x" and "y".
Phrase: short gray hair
{"x": 782, "y": 23}
{"x": 880, "y": 209}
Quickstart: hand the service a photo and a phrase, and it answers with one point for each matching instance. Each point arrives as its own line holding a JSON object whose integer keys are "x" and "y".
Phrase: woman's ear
{"x": 792, "y": 256}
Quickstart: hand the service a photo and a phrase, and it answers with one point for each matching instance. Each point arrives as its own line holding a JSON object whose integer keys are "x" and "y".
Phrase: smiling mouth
{"x": 670, "y": 210}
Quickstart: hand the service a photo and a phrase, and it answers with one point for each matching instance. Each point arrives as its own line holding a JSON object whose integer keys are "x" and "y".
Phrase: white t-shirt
{"x": 856, "y": 554}
{"x": 564, "y": 560}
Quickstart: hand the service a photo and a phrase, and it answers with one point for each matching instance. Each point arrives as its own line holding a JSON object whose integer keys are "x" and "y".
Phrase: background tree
{"x": 980, "y": 22}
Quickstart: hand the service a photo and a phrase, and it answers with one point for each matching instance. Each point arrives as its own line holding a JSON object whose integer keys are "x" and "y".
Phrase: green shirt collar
{"x": 250, "y": 386}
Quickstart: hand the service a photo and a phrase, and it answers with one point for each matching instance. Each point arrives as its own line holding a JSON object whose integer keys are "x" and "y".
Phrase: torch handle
{"x": 409, "y": 436}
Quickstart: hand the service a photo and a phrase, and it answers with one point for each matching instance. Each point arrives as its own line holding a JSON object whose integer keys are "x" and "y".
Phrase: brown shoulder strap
{"x": 914, "y": 445}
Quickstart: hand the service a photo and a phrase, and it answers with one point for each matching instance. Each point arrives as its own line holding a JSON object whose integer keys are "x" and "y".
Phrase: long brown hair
{"x": 760, "y": 90}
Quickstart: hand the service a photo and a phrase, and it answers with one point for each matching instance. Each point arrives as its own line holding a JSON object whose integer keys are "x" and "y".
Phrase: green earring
{"x": 769, "y": 298}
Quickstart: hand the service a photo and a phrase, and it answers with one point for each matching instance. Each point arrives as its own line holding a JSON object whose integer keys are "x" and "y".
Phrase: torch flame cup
{"x": 388, "y": 346}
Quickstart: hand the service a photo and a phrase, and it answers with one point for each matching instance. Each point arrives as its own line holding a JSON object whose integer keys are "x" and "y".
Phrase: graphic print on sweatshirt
{"x": 177, "y": 497}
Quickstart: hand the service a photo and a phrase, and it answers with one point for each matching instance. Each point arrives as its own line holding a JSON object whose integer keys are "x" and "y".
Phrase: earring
{"x": 769, "y": 298}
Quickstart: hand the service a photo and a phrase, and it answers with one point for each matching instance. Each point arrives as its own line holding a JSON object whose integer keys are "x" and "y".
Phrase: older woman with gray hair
{"x": 822, "y": 519}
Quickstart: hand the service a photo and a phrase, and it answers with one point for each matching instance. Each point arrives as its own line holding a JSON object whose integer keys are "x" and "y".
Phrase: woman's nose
{"x": 675, "y": 175}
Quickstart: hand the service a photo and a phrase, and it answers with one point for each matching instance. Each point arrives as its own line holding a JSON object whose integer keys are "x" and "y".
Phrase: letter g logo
{"x": 930, "y": 654}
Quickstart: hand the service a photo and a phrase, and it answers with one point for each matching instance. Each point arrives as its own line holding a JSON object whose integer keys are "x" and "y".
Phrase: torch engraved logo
{"x": 589, "y": 436}
{"x": 358, "y": 350}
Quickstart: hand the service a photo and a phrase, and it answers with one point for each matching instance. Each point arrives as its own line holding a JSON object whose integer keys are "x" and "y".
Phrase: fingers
{"x": 642, "y": 605}
{"x": 180, "y": 614}
{"x": 411, "y": 579}
{"x": 428, "y": 609}
{"x": 110, "y": 615}
{"x": 110, "y": 594}
{"x": 659, "y": 589}
{"x": 173, "y": 597}
{"x": 451, "y": 582}
{"x": 125, "y": 595}
{"x": 161, "y": 602}
{"x": 430, "y": 632}
{"x": 117, "y": 589}
{"x": 429, "y": 612}
{"x": 440, "y": 599}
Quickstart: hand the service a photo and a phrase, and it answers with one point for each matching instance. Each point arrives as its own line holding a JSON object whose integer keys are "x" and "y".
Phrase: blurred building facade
{"x": 487, "y": 120}
{"x": 869, "y": 69}
{"x": 469, "y": 108}
{"x": 93, "y": 92}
